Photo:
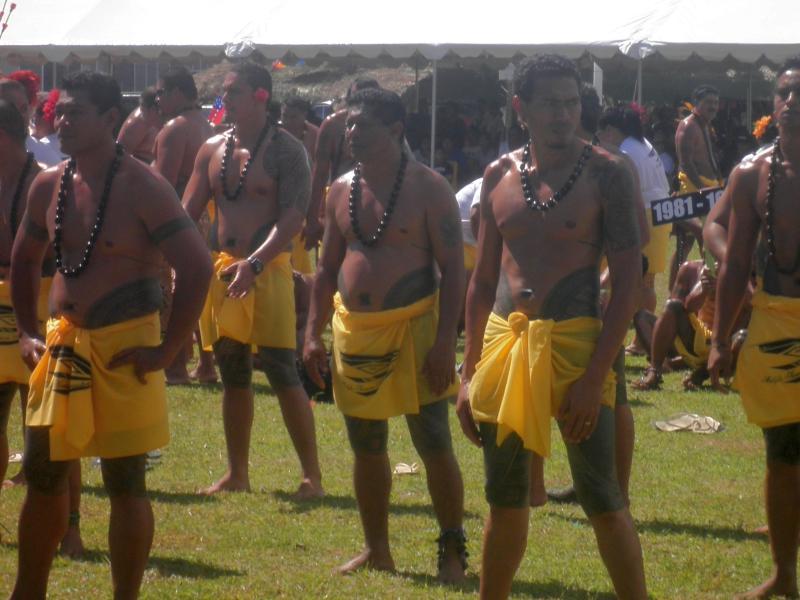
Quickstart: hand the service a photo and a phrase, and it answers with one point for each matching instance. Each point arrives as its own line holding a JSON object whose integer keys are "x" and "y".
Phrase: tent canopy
{"x": 52, "y": 30}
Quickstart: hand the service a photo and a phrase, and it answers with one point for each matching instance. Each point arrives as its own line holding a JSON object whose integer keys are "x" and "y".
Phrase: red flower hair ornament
{"x": 261, "y": 95}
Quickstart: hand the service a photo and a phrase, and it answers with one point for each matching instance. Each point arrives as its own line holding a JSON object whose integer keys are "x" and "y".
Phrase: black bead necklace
{"x": 226, "y": 159}
{"x": 526, "y": 170}
{"x": 18, "y": 194}
{"x": 355, "y": 196}
{"x": 66, "y": 179}
{"x": 775, "y": 159}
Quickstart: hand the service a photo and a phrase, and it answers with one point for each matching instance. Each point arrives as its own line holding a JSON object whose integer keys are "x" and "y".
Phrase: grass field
{"x": 696, "y": 500}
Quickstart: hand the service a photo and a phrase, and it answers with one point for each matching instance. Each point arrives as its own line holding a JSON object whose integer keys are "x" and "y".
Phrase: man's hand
{"x": 720, "y": 360}
{"x": 464, "y": 412}
{"x": 315, "y": 359}
{"x": 440, "y": 367}
{"x": 144, "y": 359}
{"x": 243, "y": 277}
{"x": 31, "y": 349}
{"x": 580, "y": 409}
{"x": 312, "y": 233}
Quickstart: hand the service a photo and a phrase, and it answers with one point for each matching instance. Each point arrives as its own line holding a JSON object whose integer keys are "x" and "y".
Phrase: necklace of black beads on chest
{"x": 526, "y": 170}
{"x": 63, "y": 193}
{"x": 776, "y": 157}
{"x": 18, "y": 194}
{"x": 226, "y": 159}
{"x": 355, "y": 197}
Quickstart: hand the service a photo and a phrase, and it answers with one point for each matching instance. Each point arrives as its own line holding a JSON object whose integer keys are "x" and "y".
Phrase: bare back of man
{"x": 138, "y": 136}
{"x": 177, "y": 145}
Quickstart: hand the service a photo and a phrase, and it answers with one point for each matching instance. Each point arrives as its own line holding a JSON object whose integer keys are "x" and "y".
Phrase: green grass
{"x": 696, "y": 500}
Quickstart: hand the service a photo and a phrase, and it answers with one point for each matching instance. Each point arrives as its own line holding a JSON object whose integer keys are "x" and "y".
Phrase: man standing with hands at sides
{"x": 176, "y": 147}
{"x": 138, "y": 132}
{"x": 391, "y": 223}
{"x": 764, "y": 189}
{"x": 98, "y": 385}
{"x": 548, "y": 213}
{"x": 259, "y": 178}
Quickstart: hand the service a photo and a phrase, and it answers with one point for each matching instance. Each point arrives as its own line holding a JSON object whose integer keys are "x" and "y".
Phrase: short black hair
{"x": 147, "y": 99}
{"x": 103, "y": 90}
{"x": 361, "y": 83}
{"x": 297, "y": 103}
{"x": 12, "y": 122}
{"x": 625, "y": 119}
{"x": 702, "y": 91}
{"x": 255, "y": 75}
{"x": 384, "y": 105}
{"x": 543, "y": 66}
{"x": 591, "y": 108}
{"x": 179, "y": 78}
{"x": 791, "y": 63}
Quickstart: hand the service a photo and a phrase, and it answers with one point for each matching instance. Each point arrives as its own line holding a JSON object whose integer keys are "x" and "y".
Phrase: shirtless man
{"x": 17, "y": 170}
{"x": 764, "y": 189}
{"x": 293, "y": 119}
{"x": 697, "y": 164}
{"x": 139, "y": 131}
{"x": 259, "y": 178}
{"x": 549, "y": 212}
{"x": 106, "y": 345}
{"x": 390, "y": 224}
{"x": 176, "y": 148}
{"x": 331, "y": 160}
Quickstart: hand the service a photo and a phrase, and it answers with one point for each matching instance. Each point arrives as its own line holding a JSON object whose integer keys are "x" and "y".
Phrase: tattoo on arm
{"x": 170, "y": 228}
{"x": 35, "y": 230}
{"x": 620, "y": 225}
{"x": 450, "y": 230}
{"x": 287, "y": 163}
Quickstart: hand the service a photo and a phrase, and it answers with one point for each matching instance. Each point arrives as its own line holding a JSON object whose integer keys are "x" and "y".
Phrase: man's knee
{"x": 42, "y": 474}
{"x": 124, "y": 476}
{"x": 280, "y": 367}
{"x": 430, "y": 429}
{"x": 235, "y": 363}
{"x": 675, "y": 307}
{"x": 507, "y": 468}
{"x": 367, "y": 436}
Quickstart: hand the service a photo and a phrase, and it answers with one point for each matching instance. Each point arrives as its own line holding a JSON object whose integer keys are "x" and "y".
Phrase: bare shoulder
{"x": 332, "y": 124}
{"x": 498, "y": 169}
{"x": 143, "y": 182}
{"x": 609, "y": 171}
{"x": 44, "y": 183}
{"x": 339, "y": 189}
{"x": 745, "y": 176}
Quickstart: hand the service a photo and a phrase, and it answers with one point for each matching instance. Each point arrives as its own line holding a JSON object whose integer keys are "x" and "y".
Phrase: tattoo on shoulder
{"x": 35, "y": 230}
{"x": 450, "y": 230}
{"x": 620, "y": 225}
{"x": 170, "y": 228}
{"x": 286, "y": 161}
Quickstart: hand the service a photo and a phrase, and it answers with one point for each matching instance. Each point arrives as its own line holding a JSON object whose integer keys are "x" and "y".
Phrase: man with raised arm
{"x": 259, "y": 178}
{"x": 535, "y": 345}
{"x": 764, "y": 189}
{"x": 98, "y": 384}
{"x": 391, "y": 224}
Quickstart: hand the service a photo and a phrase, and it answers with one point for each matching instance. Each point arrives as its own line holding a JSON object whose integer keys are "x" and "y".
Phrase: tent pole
{"x": 55, "y": 75}
{"x": 750, "y": 99}
{"x": 416, "y": 84}
{"x": 639, "y": 82}
{"x": 433, "y": 111}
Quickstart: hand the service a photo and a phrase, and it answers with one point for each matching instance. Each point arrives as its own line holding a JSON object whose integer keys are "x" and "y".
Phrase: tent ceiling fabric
{"x": 52, "y": 30}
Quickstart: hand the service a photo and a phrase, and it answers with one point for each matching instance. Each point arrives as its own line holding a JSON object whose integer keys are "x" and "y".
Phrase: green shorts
{"x": 592, "y": 462}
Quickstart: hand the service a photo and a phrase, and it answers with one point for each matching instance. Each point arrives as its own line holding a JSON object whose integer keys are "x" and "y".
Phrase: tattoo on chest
{"x": 127, "y": 301}
{"x": 410, "y": 287}
{"x": 170, "y": 228}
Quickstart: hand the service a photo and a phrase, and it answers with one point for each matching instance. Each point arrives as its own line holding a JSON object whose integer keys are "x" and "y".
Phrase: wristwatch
{"x": 256, "y": 265}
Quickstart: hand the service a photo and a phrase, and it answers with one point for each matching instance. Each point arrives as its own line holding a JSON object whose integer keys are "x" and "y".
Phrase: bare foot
{"x": 769, "y": 589}
{"x": 72, "y": 545}
{"x": 451, "y": 569}
{"x": 226, "y": 484}
{"x": 651, "y": 380}
{"x": 309, "y": 490}
{"x": 18, "y": 479}
{"x": 366, "y": 560}
{"x": 204, "y": 375}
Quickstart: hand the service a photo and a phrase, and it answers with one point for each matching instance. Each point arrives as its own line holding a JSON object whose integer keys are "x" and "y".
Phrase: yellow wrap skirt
{"x": 301, "y": 258}
{"x": 698, "y": 355}
{"x": 378, "y": 359}
{"x": 687, "y": 185}
{"x": 92, "y": 410}
{"x": 526, "y": 368}
{"x": 768, "y": 371}
{"x": 264, "y": 317}
{"x": 12, "y": 368}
